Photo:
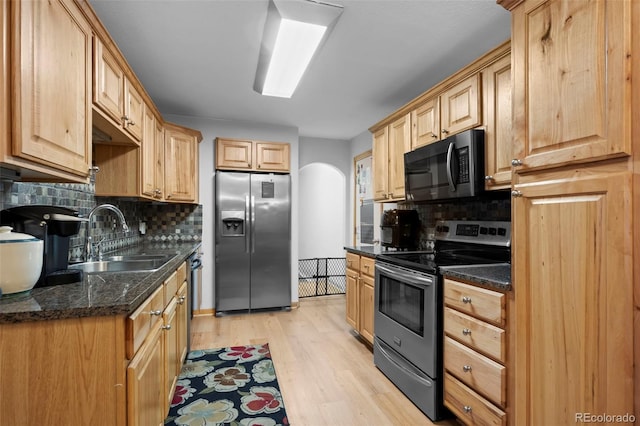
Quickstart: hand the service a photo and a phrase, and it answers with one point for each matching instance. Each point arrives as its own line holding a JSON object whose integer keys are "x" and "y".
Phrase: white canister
{"x": 20, "y": 261}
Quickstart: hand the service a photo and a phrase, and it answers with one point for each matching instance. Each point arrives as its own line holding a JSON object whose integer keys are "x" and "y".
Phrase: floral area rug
{"x": 232, "y": 386}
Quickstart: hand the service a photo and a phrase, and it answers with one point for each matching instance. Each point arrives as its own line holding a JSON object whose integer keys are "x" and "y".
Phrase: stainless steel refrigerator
{"x": 253, "y": 241}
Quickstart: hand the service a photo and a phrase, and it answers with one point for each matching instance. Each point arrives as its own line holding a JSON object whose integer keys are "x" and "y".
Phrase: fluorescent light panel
{"x": 295, "y": 45}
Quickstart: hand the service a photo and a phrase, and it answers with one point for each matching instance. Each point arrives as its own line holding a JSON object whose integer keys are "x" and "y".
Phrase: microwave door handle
{"x": 452, "y": 185}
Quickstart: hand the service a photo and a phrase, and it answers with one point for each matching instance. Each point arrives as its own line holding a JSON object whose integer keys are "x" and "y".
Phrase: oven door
{"x": 406, "y": 316}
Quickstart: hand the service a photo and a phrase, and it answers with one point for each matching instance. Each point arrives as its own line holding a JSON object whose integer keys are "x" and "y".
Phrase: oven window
{"x": 403, "y": 303}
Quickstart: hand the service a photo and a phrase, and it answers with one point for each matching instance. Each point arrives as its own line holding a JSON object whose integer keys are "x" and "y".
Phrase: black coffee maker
{"x": 54, "y": 225}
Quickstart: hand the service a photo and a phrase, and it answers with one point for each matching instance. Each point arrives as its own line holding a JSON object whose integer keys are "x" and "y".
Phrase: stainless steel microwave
{"x": 450, "y": 168}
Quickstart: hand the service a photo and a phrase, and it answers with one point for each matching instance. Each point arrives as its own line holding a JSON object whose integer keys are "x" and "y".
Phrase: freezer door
{"x": 233, "y": 262}
{"x": 270, "y": 241}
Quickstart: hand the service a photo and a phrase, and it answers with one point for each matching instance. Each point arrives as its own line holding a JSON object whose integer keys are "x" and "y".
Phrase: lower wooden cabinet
{"x": 360, "y": 294}
{"x": 475, "y": 353}
{"x": 145, "y": 385}
{"x": 153, "y": 371}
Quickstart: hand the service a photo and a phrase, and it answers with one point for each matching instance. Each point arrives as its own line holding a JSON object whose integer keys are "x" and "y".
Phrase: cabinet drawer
{"x": 482, "y": 303}
{"x": 468, "y": 406}
{"x": 479, "y": 335}
{"x": 367, "y": 266}
{"x": 142, "y": 320}
{"x": 170, "y": 287}
{"x": 353, "y": 261}
{"x": 484, "y": 375}
{"x": 182, "y": 274}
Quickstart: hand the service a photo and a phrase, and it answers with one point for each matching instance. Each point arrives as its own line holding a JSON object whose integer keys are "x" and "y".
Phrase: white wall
{"x": 335, "y": 153}
{"x": 322, "y": 211}
{"x": 210, "y": 129}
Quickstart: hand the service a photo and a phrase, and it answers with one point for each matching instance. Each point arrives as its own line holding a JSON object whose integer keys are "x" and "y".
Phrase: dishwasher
{"x": 194, "y": 275}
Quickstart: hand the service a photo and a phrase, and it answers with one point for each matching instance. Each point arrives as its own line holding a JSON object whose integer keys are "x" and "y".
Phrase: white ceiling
{"x": 198, "y": 58}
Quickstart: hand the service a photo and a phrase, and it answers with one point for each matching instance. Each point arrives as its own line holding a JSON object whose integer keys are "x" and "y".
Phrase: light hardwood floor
{"x": 326, "y": 374}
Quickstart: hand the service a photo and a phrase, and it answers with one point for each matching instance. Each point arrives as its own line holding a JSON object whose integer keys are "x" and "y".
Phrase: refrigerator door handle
{"x": 246, "y": 221}
{"x": 253, "y": 224}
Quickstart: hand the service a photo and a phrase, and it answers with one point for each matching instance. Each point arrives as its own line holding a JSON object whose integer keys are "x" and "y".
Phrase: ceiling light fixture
{"x": 293, "y": 33}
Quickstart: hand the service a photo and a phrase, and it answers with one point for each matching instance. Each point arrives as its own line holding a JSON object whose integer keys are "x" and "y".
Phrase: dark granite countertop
{"x": 369, "y": 251}
{"x": 497, "y": 275}
{"x": 111, "y": 293}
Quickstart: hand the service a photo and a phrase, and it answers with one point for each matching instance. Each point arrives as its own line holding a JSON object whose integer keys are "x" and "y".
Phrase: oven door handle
{"x": 409, "y": 370}
{"x": 406, "y": 277}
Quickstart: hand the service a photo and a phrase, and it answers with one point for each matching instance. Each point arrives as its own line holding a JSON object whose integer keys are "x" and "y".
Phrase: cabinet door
{"x": 425, "y": 121}
{"x": 145, "y": 383}
{"x": 497, "y": 117}
{"x": 460, "y": 107}
{"x": 181, "y": 166}
{"x": 272, "y": 156}
{"x": 133, "y": 110}
{"x": 380, "y": 160}
{"x": 52, "y": 85}
{"x": 352, "y": 296}
{"x": 171, "y": 353}
{"x": 108, "y": 82}
{"x": 366, "y": 308}
{"x": 399, "y": 143}
{"x": 159, "y": 161}
{"x": 148, "y": 152}
{"x": 182, "y": 316}
{"x": 232, "y": 154}
{"x": 573, "y": 296}
{"x": 571, "y": 81}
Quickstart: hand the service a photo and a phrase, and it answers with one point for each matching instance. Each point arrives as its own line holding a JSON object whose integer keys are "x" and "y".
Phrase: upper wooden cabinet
{"x": 238, "y": 154}
{"x": 116, "y": 98}
{"x": 172, "y": 163}
{"x": 498, "y": 136}
{"x": 50, "y": 72}
{"x": 152, "y": 157}
{"x": 389, "y": 146}
{"x": 181, "y": 163}
{"x": 571, "y": 79}
{"x": 461, "y": 107}
{"x": 425, "y": 121}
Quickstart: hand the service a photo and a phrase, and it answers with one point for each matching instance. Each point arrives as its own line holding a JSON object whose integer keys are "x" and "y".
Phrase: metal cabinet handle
{"x": 488, "y": 178}
{"x": 433, "y": 135}
{"x": 516, "y": 162}
{"x": 466, "y": 299}
{"x": 516, "y": 193}
{"x": 180, "y": 300}
{"x": 445, "y": 131}
{"x": 132, "y": 123}
{"x": 467, "y": 409}
{"x": 166, "y": 327}
{"x": 158, "y": 312}
{"x": 466, "y": 368}
{"x": 466, "y": 331}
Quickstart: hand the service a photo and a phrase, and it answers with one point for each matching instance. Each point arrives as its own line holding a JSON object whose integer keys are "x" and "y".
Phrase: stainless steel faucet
{"x": 93, "y": 249}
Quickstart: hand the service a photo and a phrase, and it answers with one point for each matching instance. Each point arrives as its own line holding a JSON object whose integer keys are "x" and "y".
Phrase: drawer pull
{"x": 166, "y": 327}
{"x": 466, "y": 332}
{"x": 466, "y": 299}
{"x": 158, "y": 312}
{"x": 466, "y": 368}
{"x": 467, "y": 409}
{"x": 181, "y": 300}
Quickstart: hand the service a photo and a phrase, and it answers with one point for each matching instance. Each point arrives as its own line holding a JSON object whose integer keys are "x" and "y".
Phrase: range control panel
{"x": 480, "y": 232}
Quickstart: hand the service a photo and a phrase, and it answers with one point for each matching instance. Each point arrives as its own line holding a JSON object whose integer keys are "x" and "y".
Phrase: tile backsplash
{"x": 160, "y": 221}
{"x": 495, "y": 207}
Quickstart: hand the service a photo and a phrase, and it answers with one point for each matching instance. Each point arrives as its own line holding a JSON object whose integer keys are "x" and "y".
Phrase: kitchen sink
{"x": 120, "y": 265}
{"x": 136, "y": 257}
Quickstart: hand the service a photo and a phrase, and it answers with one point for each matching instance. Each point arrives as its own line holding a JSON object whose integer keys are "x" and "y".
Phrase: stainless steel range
{"x": 409, "y": 306}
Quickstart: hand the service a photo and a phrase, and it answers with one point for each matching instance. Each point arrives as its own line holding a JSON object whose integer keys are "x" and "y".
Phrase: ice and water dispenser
{"x": 233, "y": 223}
